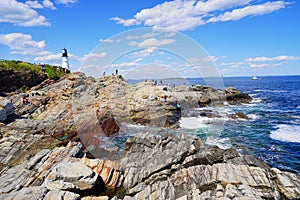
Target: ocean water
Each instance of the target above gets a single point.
(273, 131)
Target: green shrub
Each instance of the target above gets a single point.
(51, 72)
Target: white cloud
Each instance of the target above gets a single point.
(23, 44)
(145, 36)
(48, 58)
(273, 59)
(54, 58)
(138, 60)
(20, 14)
(153, 42)
(37, 5)
(66, 2)
(106, 40)
(258, 65)
(145, 52)
(92, 56)
(175, 15)
(252, 10)
(211, 58)
(180, 15)
(34, 4)
(214, 5)
(125, 64)
(128, 22)
(48, 4)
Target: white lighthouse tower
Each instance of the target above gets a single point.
(64, 59)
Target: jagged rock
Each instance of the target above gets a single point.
(31, 172)
(109, 171)
(108, 123)
(239, 115)
(77, 151)
(59, 171)
(58, 194)
(37, 158)
(3, 116)
(32, 193)
(71, 176)
(141, 103)
(288, 183)
(160, 166)
(6, 108)
(151, 160)
(96, 198)
(171, 167)
(234, 96)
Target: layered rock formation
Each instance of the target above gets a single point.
(153, 167)
(143, 103)
(49, 150)
(181, 167)
(62, 172)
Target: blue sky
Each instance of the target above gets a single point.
(242, 37)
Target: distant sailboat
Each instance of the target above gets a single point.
(254, 78)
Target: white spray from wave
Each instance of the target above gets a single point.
(286, 133)
(211, 127)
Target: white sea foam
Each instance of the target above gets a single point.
(211, 127)
(192, 122)
(223, 143)
(275, 91)
(256, 101)
(133, 125)
(200, 122)
(253, 116)
(286, 133)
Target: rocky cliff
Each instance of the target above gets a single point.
(12, 80)
(53, 148)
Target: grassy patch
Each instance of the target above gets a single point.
(19, 65)
(53, 72)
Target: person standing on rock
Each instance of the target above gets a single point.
(178, 106)
(25, 100)
(165, 98)
(117, 72)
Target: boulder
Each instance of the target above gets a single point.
(6, 108)
(58, 194)
(239, 115)
(110, 171)
(71, 176)
(107, 122)
(3, 115)
(234, 96)
(32, 193)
